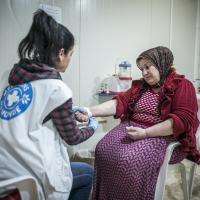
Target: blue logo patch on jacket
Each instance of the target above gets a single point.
(15, 100)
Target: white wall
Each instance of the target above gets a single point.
(197, 44)
(183, 35)
(107, 31)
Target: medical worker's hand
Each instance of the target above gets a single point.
(93, 123)
(82, 114)
(136, 133)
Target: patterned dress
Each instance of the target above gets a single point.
(127, 169)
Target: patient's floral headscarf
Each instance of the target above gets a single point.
(161, 57)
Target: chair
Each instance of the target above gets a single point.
(187, 186)
(160, 186)
(27, 186)
(194, 165)
(191, 179)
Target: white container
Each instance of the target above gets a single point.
(125, 71)
(118, 85)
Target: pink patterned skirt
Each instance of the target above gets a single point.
(127, 169)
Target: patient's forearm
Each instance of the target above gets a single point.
(105, 109)
(161, 129)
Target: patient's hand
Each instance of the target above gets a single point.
(81, 113)
(81, 116)
(136, 133)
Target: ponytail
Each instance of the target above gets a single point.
(44, 40)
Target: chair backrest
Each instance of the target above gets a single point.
(27, 186)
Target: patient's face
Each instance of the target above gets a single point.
(149, 72)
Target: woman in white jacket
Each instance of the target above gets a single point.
(36, 116)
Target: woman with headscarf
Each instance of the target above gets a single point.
(157, 110)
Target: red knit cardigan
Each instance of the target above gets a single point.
(179, 103)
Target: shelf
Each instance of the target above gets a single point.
(103, 97)
(106, 94)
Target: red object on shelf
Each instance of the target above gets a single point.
(125, 78)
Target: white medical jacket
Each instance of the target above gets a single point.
(29, 147)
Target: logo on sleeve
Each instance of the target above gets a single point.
(15, 100)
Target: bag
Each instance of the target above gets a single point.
(11, 195)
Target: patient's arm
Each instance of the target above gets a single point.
(161, 129)
(105, 109)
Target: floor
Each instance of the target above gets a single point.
(173, 190)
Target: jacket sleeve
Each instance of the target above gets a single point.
(124, 99)
(64, 120)
(122, 103)
(184, 107)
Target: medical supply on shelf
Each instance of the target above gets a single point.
(125, 71)
(118, 82)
